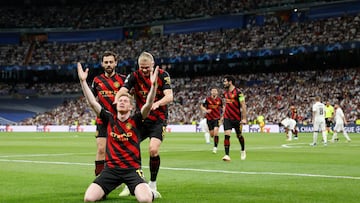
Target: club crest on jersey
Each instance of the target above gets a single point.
(143, 93)
(128, 126)
(116, 84)
(231, 98)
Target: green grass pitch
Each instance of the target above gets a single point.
(58, 167)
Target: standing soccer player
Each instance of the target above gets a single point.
(104, 87)
(261, 120)
(205, 129)
(212, 106)
(340, 122)
(234, 115)
(329, 115)
(318, 112)
(123, 162)
(155, 124)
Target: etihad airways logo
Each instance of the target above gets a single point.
(107, 93)
(121, 137)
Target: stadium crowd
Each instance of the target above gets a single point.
(81, 14)
(275, 33)
(271, 94)
(268, 94)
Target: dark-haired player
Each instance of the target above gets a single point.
(234, 115)
(104, 87)
(212, 106)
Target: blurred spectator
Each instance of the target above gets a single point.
(272, 94)
(275, 33)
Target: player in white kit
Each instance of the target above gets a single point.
(340, 121)
(289, 125)
(319, 125)
(204, 128)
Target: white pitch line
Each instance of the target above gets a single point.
(207, 150)
(41, 155)
(263, 173)
(295, 145)
(199, 170)
(303, 145)
(46, 162)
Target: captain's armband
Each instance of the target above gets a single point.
(241, 97)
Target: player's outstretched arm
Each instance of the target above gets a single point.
(167, 98)
(145, 110)
(86, 89)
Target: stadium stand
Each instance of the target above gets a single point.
(269, 94)
(272, 80)
(18, 108)
(81, 14)
(8, 116)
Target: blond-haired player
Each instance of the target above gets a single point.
(340, 122)
(155, 124)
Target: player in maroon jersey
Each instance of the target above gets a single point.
(234, 115)
(104, 87)
(155, 124)
(212, 106)
(123, 162)
(294, 115)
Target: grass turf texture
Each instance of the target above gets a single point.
(58, 167)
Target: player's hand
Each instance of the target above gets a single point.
(81, 73)
(221, 121)
(155, 106)
(243, 121)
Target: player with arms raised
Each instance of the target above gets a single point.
(123, 162)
